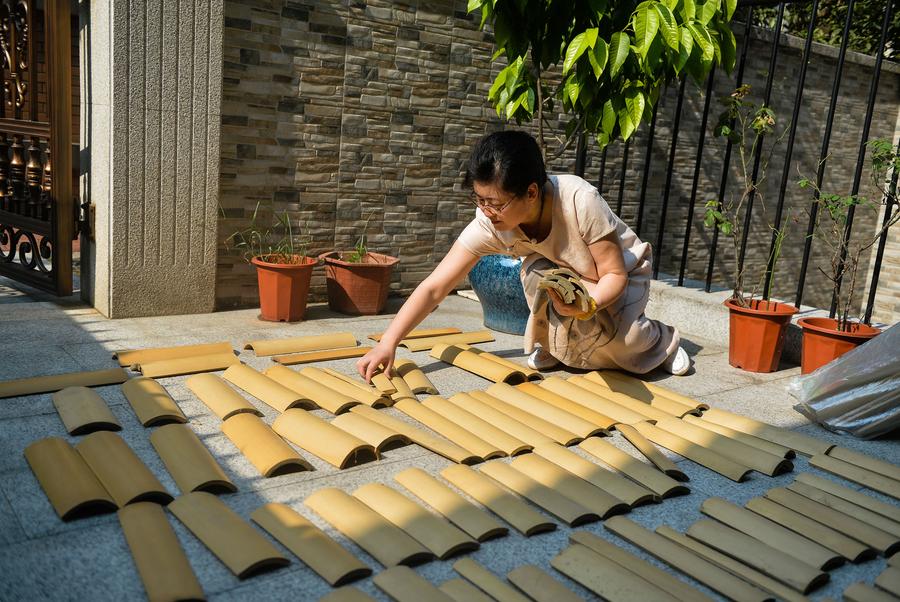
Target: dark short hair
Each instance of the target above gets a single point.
(509, 158)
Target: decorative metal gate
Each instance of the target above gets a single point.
(37, 204)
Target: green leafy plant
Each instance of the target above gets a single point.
(603, 63)
(831, 223)
(746, 126)
(361, 248)
(270, 237)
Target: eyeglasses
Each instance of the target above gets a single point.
(485, 206)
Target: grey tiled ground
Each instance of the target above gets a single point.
(43, 558)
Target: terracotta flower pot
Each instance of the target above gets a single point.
(359, 288)
(756, 334)
(283, 289)
(823, 342)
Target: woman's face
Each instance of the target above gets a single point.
(505, 210)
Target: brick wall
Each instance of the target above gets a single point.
(339, 110)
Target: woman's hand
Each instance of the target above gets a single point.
(562, 308)
(381, 357)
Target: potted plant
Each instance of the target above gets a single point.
(358, 281)
(283, 269)
(756, 325)
(825, 339)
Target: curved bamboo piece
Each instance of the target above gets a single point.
(647, 411)
(861, 476)
(151, 403)
(310, 544)
(402, 388)
(508, 425)
(215, 394)
(567, 405)
(230, 538)
(188, 365)
(120, 471)
(486, 581)
(266, 389)
(370, 397)
(865, 462)
(649, 451)
(435, 533)
(161, 562)
(482, 429)
(384, 541)
(851, 495)
(414, 377)
(262, 447)
(472, 362)
(321, 356)
(863, 592)
(761, 444)
(579, 395)
(841, 505)
(606, 578)
(421, 333)
(426, 343)
(70, 485)
(530, 373)
(463, 591)
(647, 392)
(131, 358)
(311, 389)
(381, 385)
(403, 584)
(539, 586)
(641, 472)
(49, 384)
(319, 342)
(83, 411)
(378, 436)
(309, 432)
(188, 461)
(561, 418)
(446, 428)
(694, 452)
(799, 442)
(558, 434)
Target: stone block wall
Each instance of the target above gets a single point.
(347, 113)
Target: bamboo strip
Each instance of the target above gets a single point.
(567, 510)
(501, 502)
(618, 486)
(476, 522)
(383, 383)
(638, 389)
(539, 585)
(889, 581)
(70, 485)
(487, 582)
(151, 403)
(310, 544)
(860, 592)
(556, 478)
(851, 495)
(841, 505)
(83, 411)
(384, 541)
(852, 527)
(641, 472)
(414, 377)
(530, 373)
(422, 333)
(188, 461)
(566, 404)
(446, 428)
(561, 418)
(750, 575)
(403, 584)
(435, 533)
(378, 436)
(761, 444)
(866, 462)
(237, 544)
(433, 443)
(50, 384)
(687, 562)
(262, 447)
(463, 591)
(506, 423)
(161, 562)
(427, 343)
(266, 389)
(120, 471)
(215, 394)
(402, 388)
(799, 442)
(321, 356)
(188, 365)
(370, 398)
(309, 432)
(639, 567)
(558, 434)
(646, 410)
(310, 389)
(694, 452)
(474, 363)
(849, 548)
(771, 534)
(131, 358)
(650, 452)
(482, 429)
(297, 344)
(862, 476)
(580, 395)
(606, 578)
(362, 386)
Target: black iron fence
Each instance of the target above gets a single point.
(672, 243)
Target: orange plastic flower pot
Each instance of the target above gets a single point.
(824, 343)
(358, 288)
(283, 288)
(756, 334)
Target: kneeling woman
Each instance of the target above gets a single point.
(549, 221)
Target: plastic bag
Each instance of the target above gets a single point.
(859, 393)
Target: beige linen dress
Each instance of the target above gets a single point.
(618, 336)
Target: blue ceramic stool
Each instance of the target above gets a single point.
(495, 280)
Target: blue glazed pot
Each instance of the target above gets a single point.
(495, 280)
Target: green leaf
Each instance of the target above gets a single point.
(598, 55)
(646, 25)
(684, 50)
(527, 99)
(618, 51)
(668, 26)
(608, 120)
(635, 103)
(603, 140)
(499, 82)
(707, 11)
(474, 5)
(730, 6)
(573, 90)
(512, 107)
(688, 10)
(586, 39)
(729, 47)
(626, 125)
(703, 39)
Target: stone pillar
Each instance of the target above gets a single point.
(150, 154)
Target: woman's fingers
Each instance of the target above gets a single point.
(561, 307)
